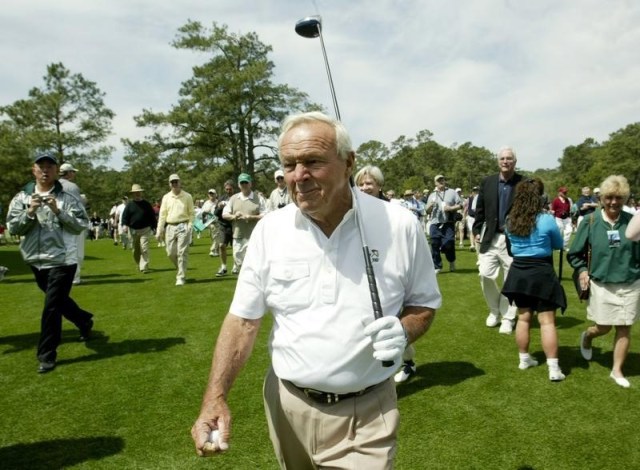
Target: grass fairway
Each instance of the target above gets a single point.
(128, 398)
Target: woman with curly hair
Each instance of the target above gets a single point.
(532, 284)
(613, 276)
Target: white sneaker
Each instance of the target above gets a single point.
(408, 370)
(180, 282)
(492, 320)
(587, 353)
(438, 271)
(624, 383)
(506, 326)
(527, 363)
(235, 270)
(556, 375)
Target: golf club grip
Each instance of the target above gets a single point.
(373, 290)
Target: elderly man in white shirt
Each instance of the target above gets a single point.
(305, 265)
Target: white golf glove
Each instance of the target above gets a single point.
(388, 337)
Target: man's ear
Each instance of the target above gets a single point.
(350, 162)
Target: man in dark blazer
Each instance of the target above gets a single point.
(494, 201)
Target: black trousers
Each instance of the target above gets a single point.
(56, 284)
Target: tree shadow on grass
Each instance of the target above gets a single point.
(59, 453)
(19, 343)
(438, 373)
(566, 322)
(99, 344)
(102, 348)
(570, 358)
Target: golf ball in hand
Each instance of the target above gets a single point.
(214, 437)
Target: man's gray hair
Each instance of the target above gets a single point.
(507, 148)
(343, 141)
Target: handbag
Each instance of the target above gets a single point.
(583, 294)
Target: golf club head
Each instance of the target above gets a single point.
(309, 27)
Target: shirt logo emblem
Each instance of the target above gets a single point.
(375, 256)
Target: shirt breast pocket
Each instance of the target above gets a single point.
(290, 285)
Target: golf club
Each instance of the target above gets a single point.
(311, 27)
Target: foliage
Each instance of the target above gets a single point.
(67, 116)
(229, 110)
(412, 163)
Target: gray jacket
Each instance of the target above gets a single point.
(47, 240)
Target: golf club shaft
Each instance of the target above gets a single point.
(308, 28)
(371, 277)
(329, 77)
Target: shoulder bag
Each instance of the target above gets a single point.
(584, 294)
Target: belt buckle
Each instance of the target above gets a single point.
(321, 397)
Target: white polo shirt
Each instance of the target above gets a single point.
(316, 288)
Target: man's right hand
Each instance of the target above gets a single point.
(218, 418)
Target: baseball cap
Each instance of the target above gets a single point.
(458, 190)
(407, 192)
(596, 191)
(174, 177)
(278, 174)
(65, 167)
(244, 177)
(45, 156)
(438, 177)
(212, 191)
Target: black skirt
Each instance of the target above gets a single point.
(536, 278)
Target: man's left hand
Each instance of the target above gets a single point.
(388, 337)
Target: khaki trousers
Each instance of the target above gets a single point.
(489, 265)
(140, 242)
(177, 239)
(355, 433)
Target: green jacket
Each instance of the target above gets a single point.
(609, 264)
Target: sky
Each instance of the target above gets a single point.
(538, 75)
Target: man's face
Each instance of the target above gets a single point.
(440, 184)
(245, 187)
(175, 186)
(318, 180)
(137, 196)
(212, 196)
(280, 182)
(507, 162)
(368, 185)
(45, 172)
(71, 175)
(228, 189)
